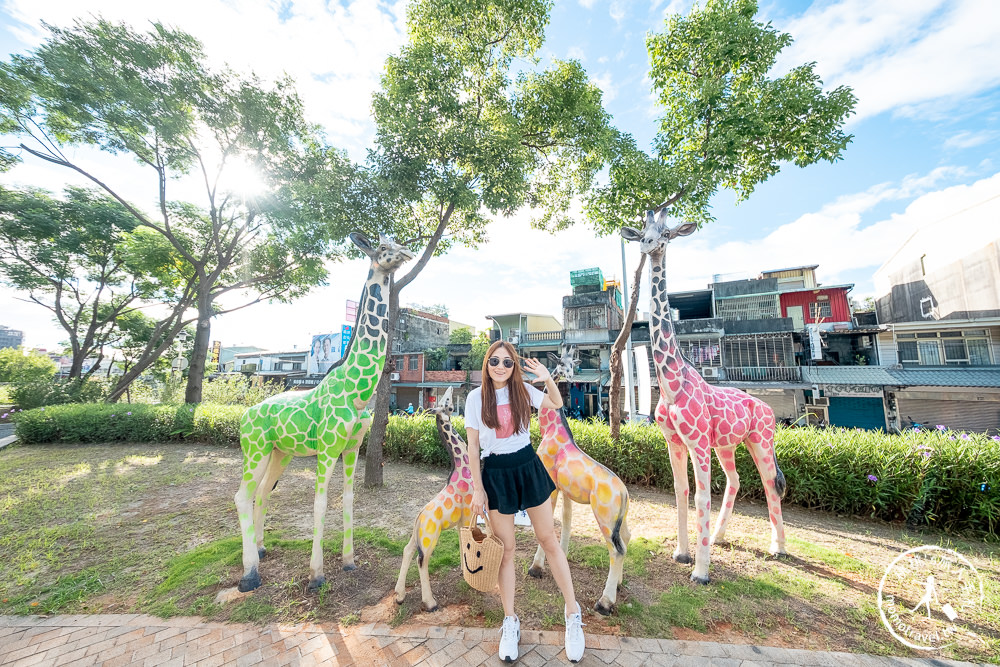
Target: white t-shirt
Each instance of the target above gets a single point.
(503, 440)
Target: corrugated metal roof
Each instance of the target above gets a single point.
(984, 376)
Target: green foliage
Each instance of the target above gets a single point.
(21, 368)
(434, 359)
(38, 393)
(724, 123)
(480, 345)
(238, 390)
(100, 422)
(461, 336)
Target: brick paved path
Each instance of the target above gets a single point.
(112, 640)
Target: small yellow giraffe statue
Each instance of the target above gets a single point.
(450, 507)
(582, 480)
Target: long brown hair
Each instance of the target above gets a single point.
(520, 403)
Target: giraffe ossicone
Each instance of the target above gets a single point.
(696, 417)
(328, 422)
(448, 509)
(582, 480)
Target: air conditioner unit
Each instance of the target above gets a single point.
(512, 340)
(394, 377)
(821, 401)
(709, 372)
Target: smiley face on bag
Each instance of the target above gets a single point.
(472, 553)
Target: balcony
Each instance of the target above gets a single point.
(588, 336)
(541, 338)
(763, 374)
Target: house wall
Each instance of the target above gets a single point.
(401, 365)
(840, 310)
(422, 331)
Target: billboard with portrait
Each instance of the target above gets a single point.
(325, 351)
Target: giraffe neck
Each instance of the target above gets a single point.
(456, 446)
(667, 357)
(358, 372)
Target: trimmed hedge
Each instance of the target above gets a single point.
(940, 478)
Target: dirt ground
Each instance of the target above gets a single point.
(822, 595)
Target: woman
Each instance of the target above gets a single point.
(513, 478)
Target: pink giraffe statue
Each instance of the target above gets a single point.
(450, 506)
(696, 417)
(582, 480)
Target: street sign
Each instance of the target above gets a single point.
(345, 337)
(179, 364)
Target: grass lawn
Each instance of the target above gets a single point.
(153, 529)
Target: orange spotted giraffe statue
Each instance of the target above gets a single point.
(449, 507)
(582, 480)
(697, 417)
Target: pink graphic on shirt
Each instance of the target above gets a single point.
(506, 423)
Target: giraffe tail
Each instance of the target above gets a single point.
(779, 480)
(616, 533)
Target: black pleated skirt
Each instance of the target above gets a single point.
(516, 481)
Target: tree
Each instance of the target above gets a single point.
(20, 368)
(151, 96)
(461, 336)
(435, 358)
(480, 346)
(725, 124)
(456, 137)
(76, 258)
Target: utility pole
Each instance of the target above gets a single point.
(629, 361)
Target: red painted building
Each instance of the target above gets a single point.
(819, 305)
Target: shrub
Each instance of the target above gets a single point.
(21, 368)
(237, 390)
(37, 393)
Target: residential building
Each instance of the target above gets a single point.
(10, 337)
(286, 366)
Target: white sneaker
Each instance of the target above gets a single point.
(510, 635)
(574, 637)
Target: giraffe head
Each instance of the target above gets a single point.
(566, 362)
(387, 256)
(656, 234)
(445, 406)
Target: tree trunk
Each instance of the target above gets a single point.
(615, 391)
(145, 360)
(199, 354)
(380, 421)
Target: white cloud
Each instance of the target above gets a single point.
(605, 82)
(617, 11)
(589, 4)
(899, 55)
(575, 53)
(334, 51)
(966, 139)
(835, 237)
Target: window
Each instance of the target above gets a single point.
(592, 318)
(296, 366)
(414, 363)
(701, 351)
(818, 309)
(945, 348)
(750, 307)
(758, 351)
(926, 305)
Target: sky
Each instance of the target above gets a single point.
(925, 148)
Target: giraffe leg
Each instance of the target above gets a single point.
(428, 540)
(607, 522)
(760, 442)
(537, 569)
(701, 461)
(350, 459)
(254, 470)
(678, 465)
(725, 456)
(275, 466)
(324, 466)
(626, 536)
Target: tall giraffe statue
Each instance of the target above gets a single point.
(582, 480)
(451, 506)
(326, 422)
(696, 417)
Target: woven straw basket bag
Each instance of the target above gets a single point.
(481, 555)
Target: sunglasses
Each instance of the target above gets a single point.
(507, 362)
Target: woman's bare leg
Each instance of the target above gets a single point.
(503, 527)
(541, 522)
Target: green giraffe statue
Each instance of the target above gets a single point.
(324, 422)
